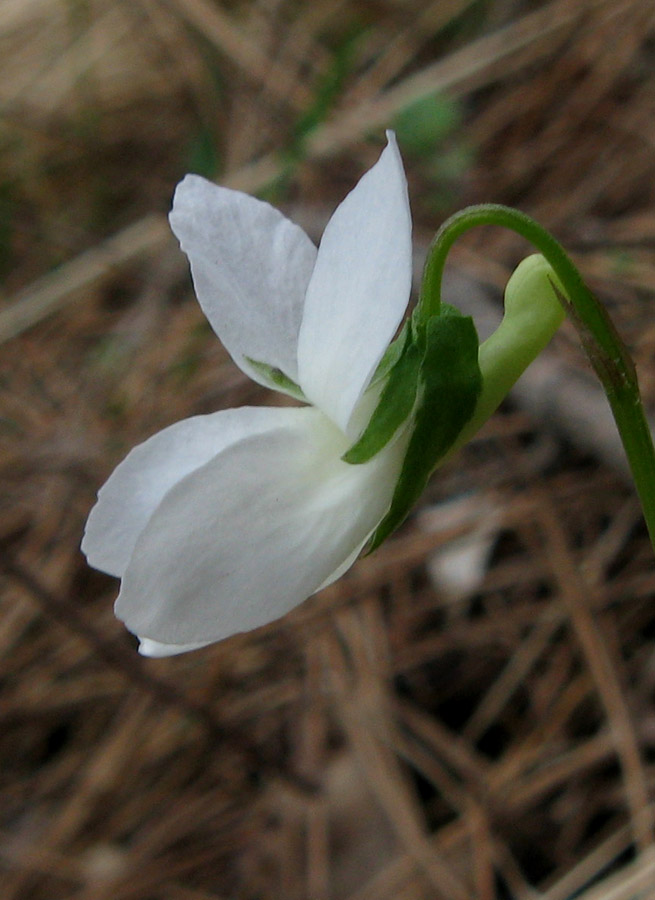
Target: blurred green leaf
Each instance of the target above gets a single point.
(203, 155)
(426, 123)
(6, 229)
(328, 88)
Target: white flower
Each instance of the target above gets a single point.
(221, 523)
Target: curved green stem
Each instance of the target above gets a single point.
(605, 349)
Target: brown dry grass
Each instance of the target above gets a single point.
(402, 735)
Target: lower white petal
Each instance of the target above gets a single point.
(155, 650)
(149, 471)
(343, 567)
(252, 533)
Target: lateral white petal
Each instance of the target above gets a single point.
(149, 471)
(250, 267)
(359, 289)
(251, 534)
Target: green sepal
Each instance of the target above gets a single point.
(392, 354)
(277, 379)
(449, 386)
(394, 406)
(401, 365)
(447, 309)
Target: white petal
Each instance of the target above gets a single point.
(250, 268)
(156, 650)
(345, 565)
(244, 539)
(149, 471)
(359, 289)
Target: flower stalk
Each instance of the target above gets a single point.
(604, 347)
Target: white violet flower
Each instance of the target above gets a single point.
(221, 523)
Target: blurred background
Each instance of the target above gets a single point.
(470, 713)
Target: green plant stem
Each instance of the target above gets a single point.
(605, 349)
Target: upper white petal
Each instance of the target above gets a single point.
(359, 289)
(250, 268)
(149, 471)
(252, 533)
